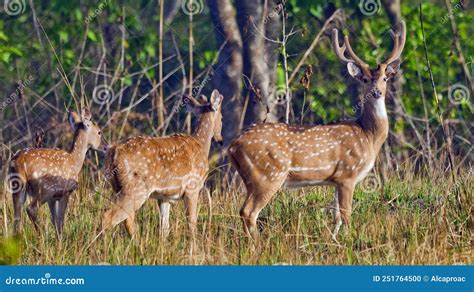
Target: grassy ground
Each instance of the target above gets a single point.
(413, 221)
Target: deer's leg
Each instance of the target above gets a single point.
(133, 205)
(336, 213)
(32, 211)
(61, 211)
(164, 218)
(53, 206)
(250, 211)
(345, 193)
(19, 198)
(257, 198)
(130, 224)
(190, 203)
(244, 211)
(58, 210)
(124, 209)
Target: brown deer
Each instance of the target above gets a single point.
(165, 168)
(271, 156)
(51, 175)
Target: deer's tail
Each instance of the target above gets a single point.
(16, 181)
(111, 169)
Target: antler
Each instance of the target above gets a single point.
(398, 43)
(341, 49)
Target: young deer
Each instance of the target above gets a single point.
(165, 168)
(269, 156)
(51, 175)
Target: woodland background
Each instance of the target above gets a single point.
(108, 53)
(131, 62)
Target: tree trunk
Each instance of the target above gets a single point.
(171, 9)
(251, 19)
(228, 70)
(273, 28)
(395, 90)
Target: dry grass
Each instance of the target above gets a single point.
(415, 221)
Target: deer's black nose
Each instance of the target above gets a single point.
(377, 93)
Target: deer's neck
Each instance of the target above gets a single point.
(374, 121)
(204, 131)
(79, 148)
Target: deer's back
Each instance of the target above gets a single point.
(155, 163)
(302, 153)
(35, 163)
(47, 172)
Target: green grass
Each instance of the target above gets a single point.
(414, 221)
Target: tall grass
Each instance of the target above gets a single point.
(415, 220)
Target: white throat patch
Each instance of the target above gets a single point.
(379, 107)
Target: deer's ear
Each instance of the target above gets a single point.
(392, 68)
(354, 70)
(191, 104)
(74, 119)
(216, 99)
(202, 99)
(86, 116)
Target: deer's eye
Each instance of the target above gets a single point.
(100, 133)
(365, 80)
(385, 79)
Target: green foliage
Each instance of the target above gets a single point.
(76, 31)
(330, 79)
(9, 251)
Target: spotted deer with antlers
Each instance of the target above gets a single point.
(51, 175)
(271, 156)
(164, 168)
